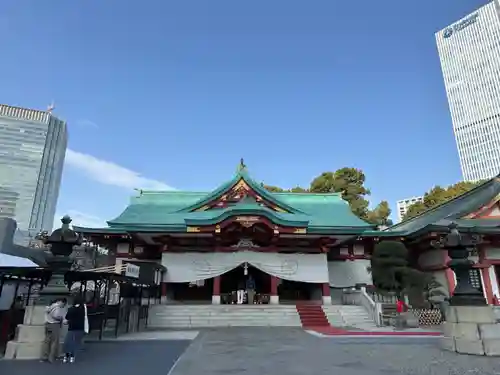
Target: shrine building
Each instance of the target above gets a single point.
(295, 246)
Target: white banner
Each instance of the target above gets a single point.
(190, 267)
(346, 274)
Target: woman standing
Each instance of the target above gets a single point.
(78, 325)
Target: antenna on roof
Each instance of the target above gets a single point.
(139, 191)
(51, 107)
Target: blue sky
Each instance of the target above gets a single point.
(164, 94)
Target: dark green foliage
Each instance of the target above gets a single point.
(350, 182)
(391, 271)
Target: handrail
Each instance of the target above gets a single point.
(362, 298)
(373, 308)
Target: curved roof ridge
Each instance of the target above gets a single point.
(306, 193)
(154, 192)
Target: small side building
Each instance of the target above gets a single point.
(476, 212)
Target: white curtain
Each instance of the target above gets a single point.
(189, 267)
(346, 274)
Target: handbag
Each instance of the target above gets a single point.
(86, 327)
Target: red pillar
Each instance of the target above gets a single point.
(485, 275)
(450, 279)
(163, 297)
(216, 291)
(274, 290)
(327, 297)
(325, 287)
(450, 275)
(488, 290)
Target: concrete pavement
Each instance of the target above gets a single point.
(262, 351)
(270, 351)
(108, 357)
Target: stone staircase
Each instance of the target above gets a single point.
(349, 316)
(199, 316)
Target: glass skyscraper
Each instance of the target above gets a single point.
(32, 149)
(469, 51)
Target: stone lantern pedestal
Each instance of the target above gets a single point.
(30, 336)
(471, 326)
(471, 330)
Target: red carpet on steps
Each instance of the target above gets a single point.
(332, 331)
(312, 316)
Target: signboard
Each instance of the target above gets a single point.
(132, 271)
(448, 32)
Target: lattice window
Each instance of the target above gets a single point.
(427, 317)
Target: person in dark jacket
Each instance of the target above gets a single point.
(77, 321)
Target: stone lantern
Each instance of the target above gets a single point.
(30, 336)
(459, 248)
(61, 243)
(471, 326)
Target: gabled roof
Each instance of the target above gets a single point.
(241, 175)
(454, 210)
(176, 210)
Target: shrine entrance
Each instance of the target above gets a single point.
(294, 291)
(237, 278)
(195, 292)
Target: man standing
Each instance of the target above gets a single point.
(250, 290)
(54, 317)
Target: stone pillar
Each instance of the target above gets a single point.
(471, 330)
(216, 292)
(327, 297)
(274, 298)
(163, 292)
(30, 336)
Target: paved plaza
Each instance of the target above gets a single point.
(262, 351)
(270, 351)
(123, 357)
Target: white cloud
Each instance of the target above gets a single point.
(109, 173)
(87, 124)
(81, 219)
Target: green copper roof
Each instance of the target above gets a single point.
(175, 210)
(454, 210)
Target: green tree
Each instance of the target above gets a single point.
(347, 181)
(273, 189)
(276, 189)
(298, 189)
(350, 182)
(439, 195)
(391, 270)
(380, 215)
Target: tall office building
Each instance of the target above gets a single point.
(469, 51)
(32, 149)
(404, 204)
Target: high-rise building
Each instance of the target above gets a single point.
(8, 202)
(32, 149)
(404, 204)
(469, 51)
